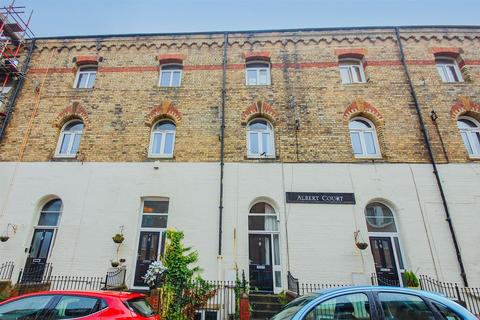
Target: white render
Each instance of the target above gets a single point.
(98, 198)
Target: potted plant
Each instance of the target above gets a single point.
(360, 244)
(118, 238)
(4, 238)
(410, 279)
(114, 263)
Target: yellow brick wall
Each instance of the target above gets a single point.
(305, 86)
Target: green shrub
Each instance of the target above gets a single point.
(411, 279)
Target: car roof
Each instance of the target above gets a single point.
(327, 293)
(99, 294)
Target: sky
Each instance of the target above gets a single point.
(94, 17)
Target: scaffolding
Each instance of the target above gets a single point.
(15, 36)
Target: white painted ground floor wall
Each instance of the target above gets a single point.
(316, 240)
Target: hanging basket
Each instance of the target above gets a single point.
(361, 245)
(115, 263)
(118, 238)
(4, 238)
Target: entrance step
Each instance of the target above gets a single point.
(264, 306)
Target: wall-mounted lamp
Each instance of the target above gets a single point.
(5, 237)
(433, 115)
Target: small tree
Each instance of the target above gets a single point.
(188, 290)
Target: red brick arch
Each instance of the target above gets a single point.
(165, 110)
(361, 107)
(75, 111)
(464, 105)
(259, 109)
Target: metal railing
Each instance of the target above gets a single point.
(221, 301)
(6, 271)
(312, 287)
(379, 281)
(466, 296)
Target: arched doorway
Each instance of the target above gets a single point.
(264, 249)
(385, 244)
(42, 241)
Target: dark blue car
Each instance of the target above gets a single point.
(375, 303)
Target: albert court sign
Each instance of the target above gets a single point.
(320, 197)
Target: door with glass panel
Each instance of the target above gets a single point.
(151, 241)
(42, 241)
(264, 249)
(384, 244)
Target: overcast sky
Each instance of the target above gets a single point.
(85, 17)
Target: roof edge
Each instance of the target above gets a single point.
(127, 35)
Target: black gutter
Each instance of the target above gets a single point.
(222, 142)
(13, 99)
(432, 158)
(103, 36)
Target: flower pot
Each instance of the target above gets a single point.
(4, 238)
(115, 264)
(118, 238)
(361, 245)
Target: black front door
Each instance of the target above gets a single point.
(384, 258)
(37, 256)
(147, 253)
(260, 253)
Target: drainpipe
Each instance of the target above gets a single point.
(432, 158)
(11, 103)
(222, 142)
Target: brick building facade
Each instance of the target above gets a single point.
(309, 110)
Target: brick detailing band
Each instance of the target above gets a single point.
(165, 110)
(259, 109)
(83, 60)
(75, 111)
(359, 106)
(241, 66)
(463, 106)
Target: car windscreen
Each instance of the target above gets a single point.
(140, 306)
(291, 308)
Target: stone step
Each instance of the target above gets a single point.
(257, 314)
(266, 306)
(258, 297)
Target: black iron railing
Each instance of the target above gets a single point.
(6, 270)
(292, 283)
(381, 281)
(35, 273)
(115, 279)
(466, 296)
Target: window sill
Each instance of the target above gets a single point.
(258, 85)
(368, 157)
(155, 157)
(474, 158)
(269, 158)
(169, 87)
(83, 89)
(353, 84)
(62, 156)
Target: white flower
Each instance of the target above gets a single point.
(155, 269)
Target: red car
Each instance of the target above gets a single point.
(87, 305)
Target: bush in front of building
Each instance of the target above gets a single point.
(183, 289)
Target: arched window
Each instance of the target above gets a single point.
(69, 140)
(262, 217)
(351, 70)
(448, 69)
(364, 138)
(171, 75)
(257, 73)
(162, 139)
(379, 218)
(260, 139)
(50, 213)
(470, 131)
(86, 77)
